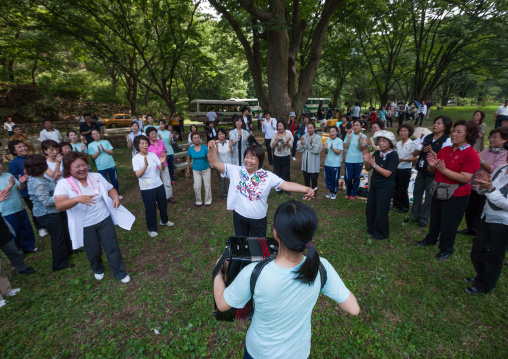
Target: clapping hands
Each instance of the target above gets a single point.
(484, 181)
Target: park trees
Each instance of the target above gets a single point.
(292, 35)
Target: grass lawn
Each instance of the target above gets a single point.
(412, 305)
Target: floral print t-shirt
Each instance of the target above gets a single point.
(248, 193)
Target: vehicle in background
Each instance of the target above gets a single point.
(118, 119)
(224, 109)
(253, 103)
(313, 104)
(310, 107)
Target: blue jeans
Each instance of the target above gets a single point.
(353, 172)
(113, 178)
(25, 238)
(246, 354)
(171, 166)
(332, 175)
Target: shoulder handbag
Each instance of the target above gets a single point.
(443, 191)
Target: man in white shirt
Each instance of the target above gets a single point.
(269, 127)
(501, 114)
(356, 112)
(50, 133)
(8, 125)
(422, 110)
(212, 116)
(139, 121)
(394, 104)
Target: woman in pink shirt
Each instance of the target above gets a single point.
(490, 159)
(157, 146)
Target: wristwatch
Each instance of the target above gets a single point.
(374, 166)
(491, 190)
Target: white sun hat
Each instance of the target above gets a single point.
(386, 134)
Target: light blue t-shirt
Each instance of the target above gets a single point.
(199, 161)
(166, 139)
(77, 147)
(354, 155)
(382, 114)
(104, 161)
(13, 204)
(332, 159)
(281, 325)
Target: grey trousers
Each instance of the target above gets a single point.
(224, 184)
(421, 210)
(5, 285)
(15, 257)
(104, 233)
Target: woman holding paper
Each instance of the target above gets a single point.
(93, 208)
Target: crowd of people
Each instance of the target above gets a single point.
(456, 176)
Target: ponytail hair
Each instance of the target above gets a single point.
(296, 224)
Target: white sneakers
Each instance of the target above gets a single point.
(127, 279)
(2, 303)
(294, 158)
(168, 224)
(13, 292)
(331, 195)
(43, 232)
(153, 234)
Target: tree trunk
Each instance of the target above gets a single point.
(34, 68)
(10, 70)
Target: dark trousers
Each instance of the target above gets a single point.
(474, 211)
(251, 141)
(378, 206)
(400, 196)
(269, 150)
(61, 245)
(171, 166)
(352, 177)
(420, 119)
(389, 120)
(489, 249)
(293, 149)
(445, 217)
(30, 205)
(14, 255)
(421, 210)
(25, 238)
(282, 166)
(246, 354)
(178, 130)
(152, 198)
(332, 175)
(500, 119)
(309, 178)
(248, 227)
(104, 233)
(113, 178)
(401, 119)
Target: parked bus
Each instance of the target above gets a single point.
(224, 109)
(310, 107)
(253, 103)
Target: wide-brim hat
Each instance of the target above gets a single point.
(292, 114)
(386, 134)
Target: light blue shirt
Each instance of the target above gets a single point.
(104, 161)
(354, 155)
(167, 140)
(332, 159)
(281, 325)
(12, 204)
(77, 147)
(148, 126)
(199, 160)
(382, 114)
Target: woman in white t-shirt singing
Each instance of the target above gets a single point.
(286, 290)
(145, 166)
(93, 208)
(405, 149)
(225, 152)
(249, 188)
